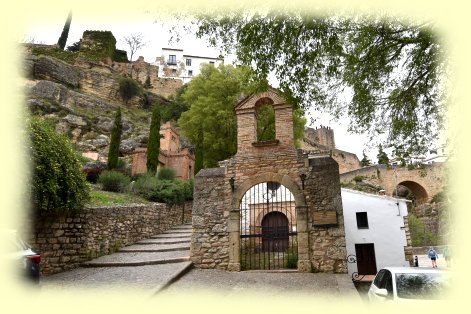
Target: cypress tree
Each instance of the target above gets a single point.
(65, 32)
(113, 152)
(153, 148)
(383, 158)
(365, 161)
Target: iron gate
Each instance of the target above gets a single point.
(268, 236)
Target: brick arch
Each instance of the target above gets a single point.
(420, 193)
(283, 179)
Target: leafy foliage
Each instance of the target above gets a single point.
(100, 45)
(365, 161)
(166, 173)
(113, 153)
(176, 107)
(386, 75)
(383, 158)
(113, 181)
(167, 191)
(128, 88)
(153, 146)
(65, 32)
(120, 56)
(265, 123)
(210, 123)
(57, 182)
(420, 236)
(75, 47)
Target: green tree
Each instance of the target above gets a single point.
(394, 71)
(113, 153)
(153, 147)
(128, 88)
(57, 182)
(176, 107)
(210, 123)
(265, 123)
(365, 161)
(65, 32)
(383, 158)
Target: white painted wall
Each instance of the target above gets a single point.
(384, 227)
(185, 75)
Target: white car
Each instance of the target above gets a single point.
(409, 283)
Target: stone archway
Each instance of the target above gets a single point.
(418, 191)
(234, 223)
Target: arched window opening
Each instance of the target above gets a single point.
(265, 114)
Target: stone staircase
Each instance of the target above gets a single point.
(172, 246)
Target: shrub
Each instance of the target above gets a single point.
(166, 173)
(358, 179)
(166, 191)
(57, 183)
(113, 181)
(128, 88)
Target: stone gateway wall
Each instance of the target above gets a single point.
(320, 230)
(67, 240)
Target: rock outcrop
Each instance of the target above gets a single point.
(81, 100)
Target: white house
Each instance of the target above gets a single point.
(374, 231)
(174, 63)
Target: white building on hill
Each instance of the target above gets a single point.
(174, 63)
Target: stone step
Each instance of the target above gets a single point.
(163, 241)
(183, 227)
(174, 231)
(156, 247)
(169, 236)
(139, 259)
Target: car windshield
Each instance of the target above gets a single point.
(427, 286)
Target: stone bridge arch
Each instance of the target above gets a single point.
(426, 182)
(420, 194)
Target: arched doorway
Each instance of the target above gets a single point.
(268, 233)
(275, 232)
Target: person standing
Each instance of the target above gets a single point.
(433, 255)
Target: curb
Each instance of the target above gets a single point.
(174, 278)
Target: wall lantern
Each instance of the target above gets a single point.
(232, 183)
(303, 178)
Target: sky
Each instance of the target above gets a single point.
(156, 34)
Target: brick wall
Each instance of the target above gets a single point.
(66, 240)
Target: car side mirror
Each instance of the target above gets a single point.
(381, 293)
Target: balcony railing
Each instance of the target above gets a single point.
(171, 62)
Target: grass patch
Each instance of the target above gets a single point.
(103, 198)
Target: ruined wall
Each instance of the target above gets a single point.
(67, 240)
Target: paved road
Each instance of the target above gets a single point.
(273, 284)
(158, 267)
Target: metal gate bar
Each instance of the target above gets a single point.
(268, 233)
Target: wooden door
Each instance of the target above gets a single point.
(275, 231)
(366, 261)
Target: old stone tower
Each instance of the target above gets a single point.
(270, 206)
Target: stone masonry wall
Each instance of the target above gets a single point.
(327, 243)
(210, 238)
(66, 240)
